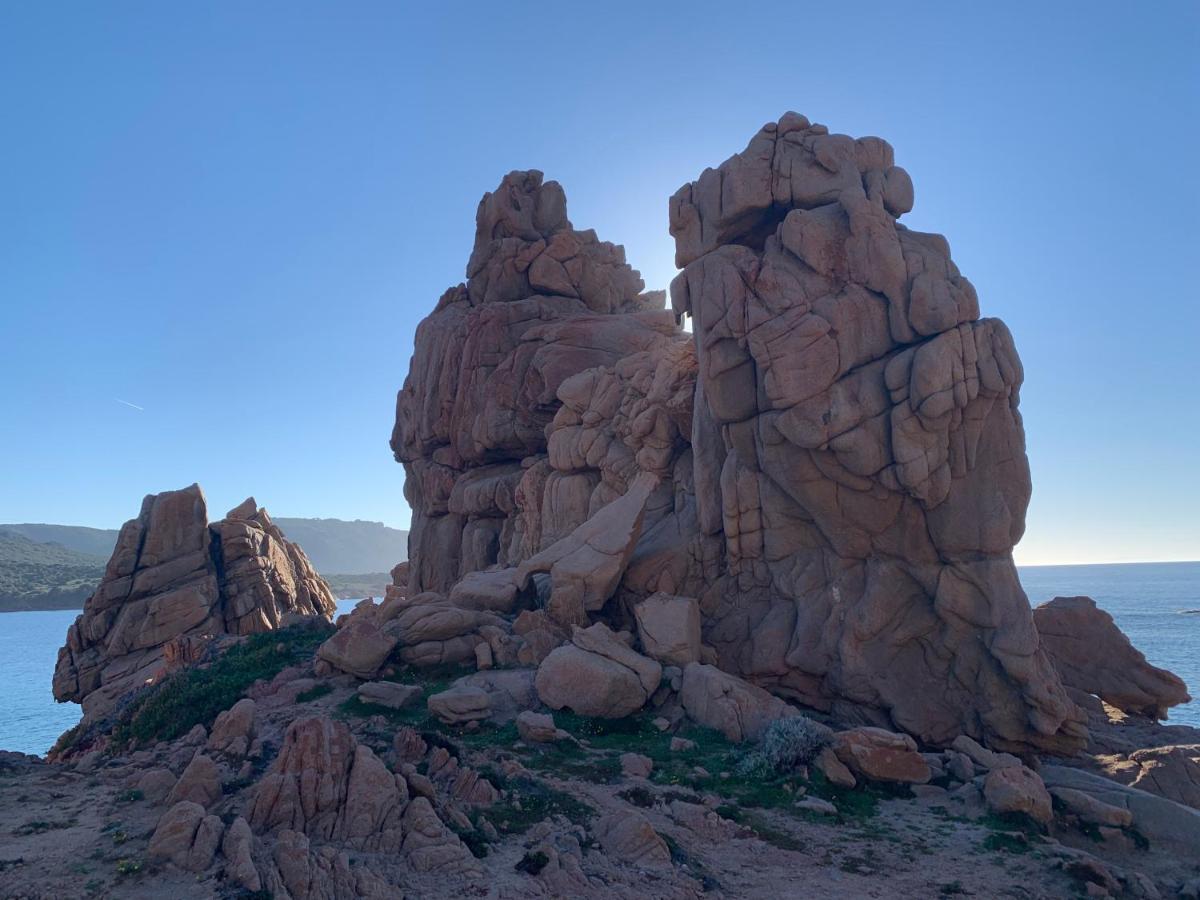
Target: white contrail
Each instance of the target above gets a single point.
(127, 403)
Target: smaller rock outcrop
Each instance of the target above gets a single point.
(597, 674)
(326, 785)
(880, 755)
(175, 583)
(187, 837)
(669, 628)
(739, 710)
(1018, 789)
(1093, 655)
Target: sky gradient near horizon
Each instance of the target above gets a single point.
(222, 221)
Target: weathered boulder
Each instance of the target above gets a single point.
(360, 647)
(586, 566)
(173, 584)
(186, 836)
(880, 755)
(597, 675)
(739, 710)
(156, 784)
(1090, 809)
(1163, 822)
(1018, 789)
(461, 704)
(200, 783)
(636, 765)
(233, 731)
(325, 785)
(629, 837)
(538, 728)
(1093, 655)
(388, 693)
(237, 846)
(432, 847)
(1171, 771)
(981, 756)
(669, 628)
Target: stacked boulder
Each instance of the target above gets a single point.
(175, 583)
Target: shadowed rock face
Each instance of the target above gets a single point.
(833, 463)
(173, 583)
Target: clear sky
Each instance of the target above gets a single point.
(233, 215)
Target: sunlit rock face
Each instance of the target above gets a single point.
(857, 443)
(832, 462)
(173, 584)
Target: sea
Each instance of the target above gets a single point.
(1156, 604)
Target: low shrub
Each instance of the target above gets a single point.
(195, 696)
(786, 744)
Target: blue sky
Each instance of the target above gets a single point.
(233, 215)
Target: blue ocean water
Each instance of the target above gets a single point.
(1156, 604)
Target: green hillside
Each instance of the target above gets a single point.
(90, 541)
(44, 576)
(337, 546)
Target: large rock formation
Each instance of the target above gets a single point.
(857, 442)
(833, 462)
(174, 583)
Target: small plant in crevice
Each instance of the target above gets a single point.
(128, 866)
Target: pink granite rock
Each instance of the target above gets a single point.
(1092, 655)
(173, 584)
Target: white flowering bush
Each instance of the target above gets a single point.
(787, 743)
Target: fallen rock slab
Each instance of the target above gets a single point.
(460, 705)
(388, 693)
(880, 755)
(1093, 655)
(1018, 789)
(738, 709)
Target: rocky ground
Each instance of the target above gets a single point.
(316, 786)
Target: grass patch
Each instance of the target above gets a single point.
(527, 801)
(776, 837)
(195, 696)
(40, 827)
(315, 692)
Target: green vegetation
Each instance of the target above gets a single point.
(786, 744)
(195, 696)
(40, 827)
(532, 863)
(128, 866)
(318, 690)
(44, 576)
